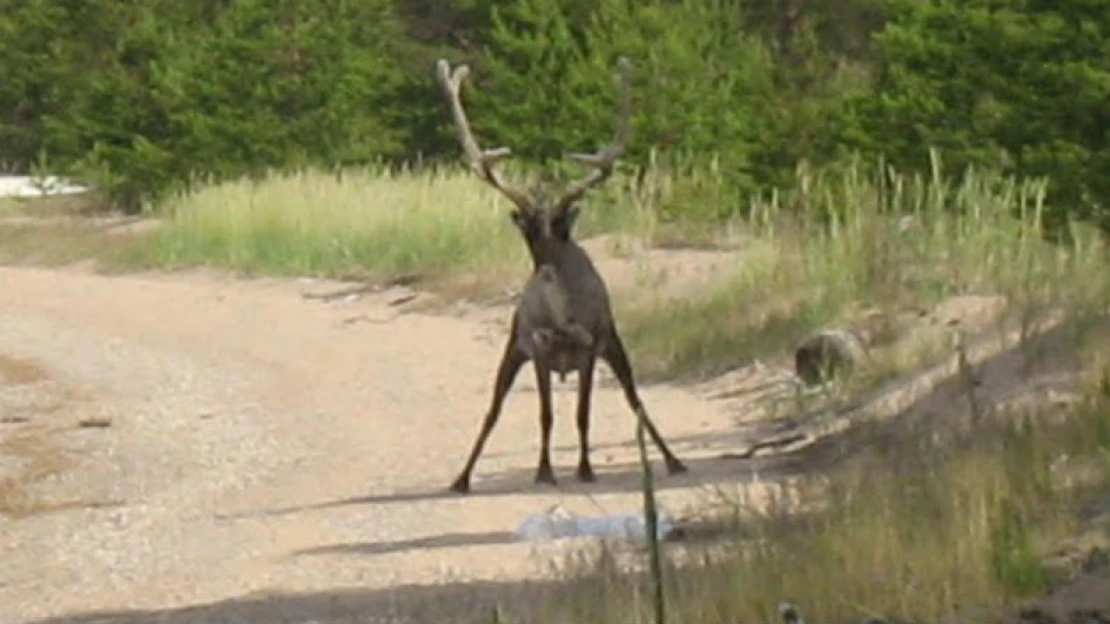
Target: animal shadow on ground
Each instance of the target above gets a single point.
(618, 477)
(447, 540)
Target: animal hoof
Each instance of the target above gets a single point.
(461, 485)
(545, 475)
(674, 467)
(586, 474)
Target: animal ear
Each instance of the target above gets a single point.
(571, 215)
(563, 224)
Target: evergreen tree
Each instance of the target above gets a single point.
(975, 77)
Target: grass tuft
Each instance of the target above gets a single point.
(436, 221)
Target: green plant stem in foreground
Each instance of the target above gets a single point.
(651, 525)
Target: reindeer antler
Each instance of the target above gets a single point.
(601, 162)
(480, 161)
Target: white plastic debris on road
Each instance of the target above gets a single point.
(557, 523)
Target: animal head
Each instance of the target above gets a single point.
(545, 220)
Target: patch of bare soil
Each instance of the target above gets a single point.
(18, 372)
(34, 412)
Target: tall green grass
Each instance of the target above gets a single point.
(433, 221)
(861, 237)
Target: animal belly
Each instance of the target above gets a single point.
(565, 354)
(559, 351)
(563, 361)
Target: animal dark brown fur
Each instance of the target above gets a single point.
(564, 321)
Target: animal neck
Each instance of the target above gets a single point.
(546, 251)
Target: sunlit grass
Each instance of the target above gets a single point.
(849, 241)
(370, 222)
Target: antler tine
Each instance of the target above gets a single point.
(481, 161)
(601, 163)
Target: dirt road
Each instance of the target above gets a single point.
(186, 439)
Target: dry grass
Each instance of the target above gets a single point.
(66, 241)
(434, 222)
(57, 231)
(850, 243)
(913, 531)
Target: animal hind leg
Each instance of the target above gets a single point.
(585, 389)
(617, 359)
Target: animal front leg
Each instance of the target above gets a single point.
(507, 370)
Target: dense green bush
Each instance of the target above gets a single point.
(1020, 83)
